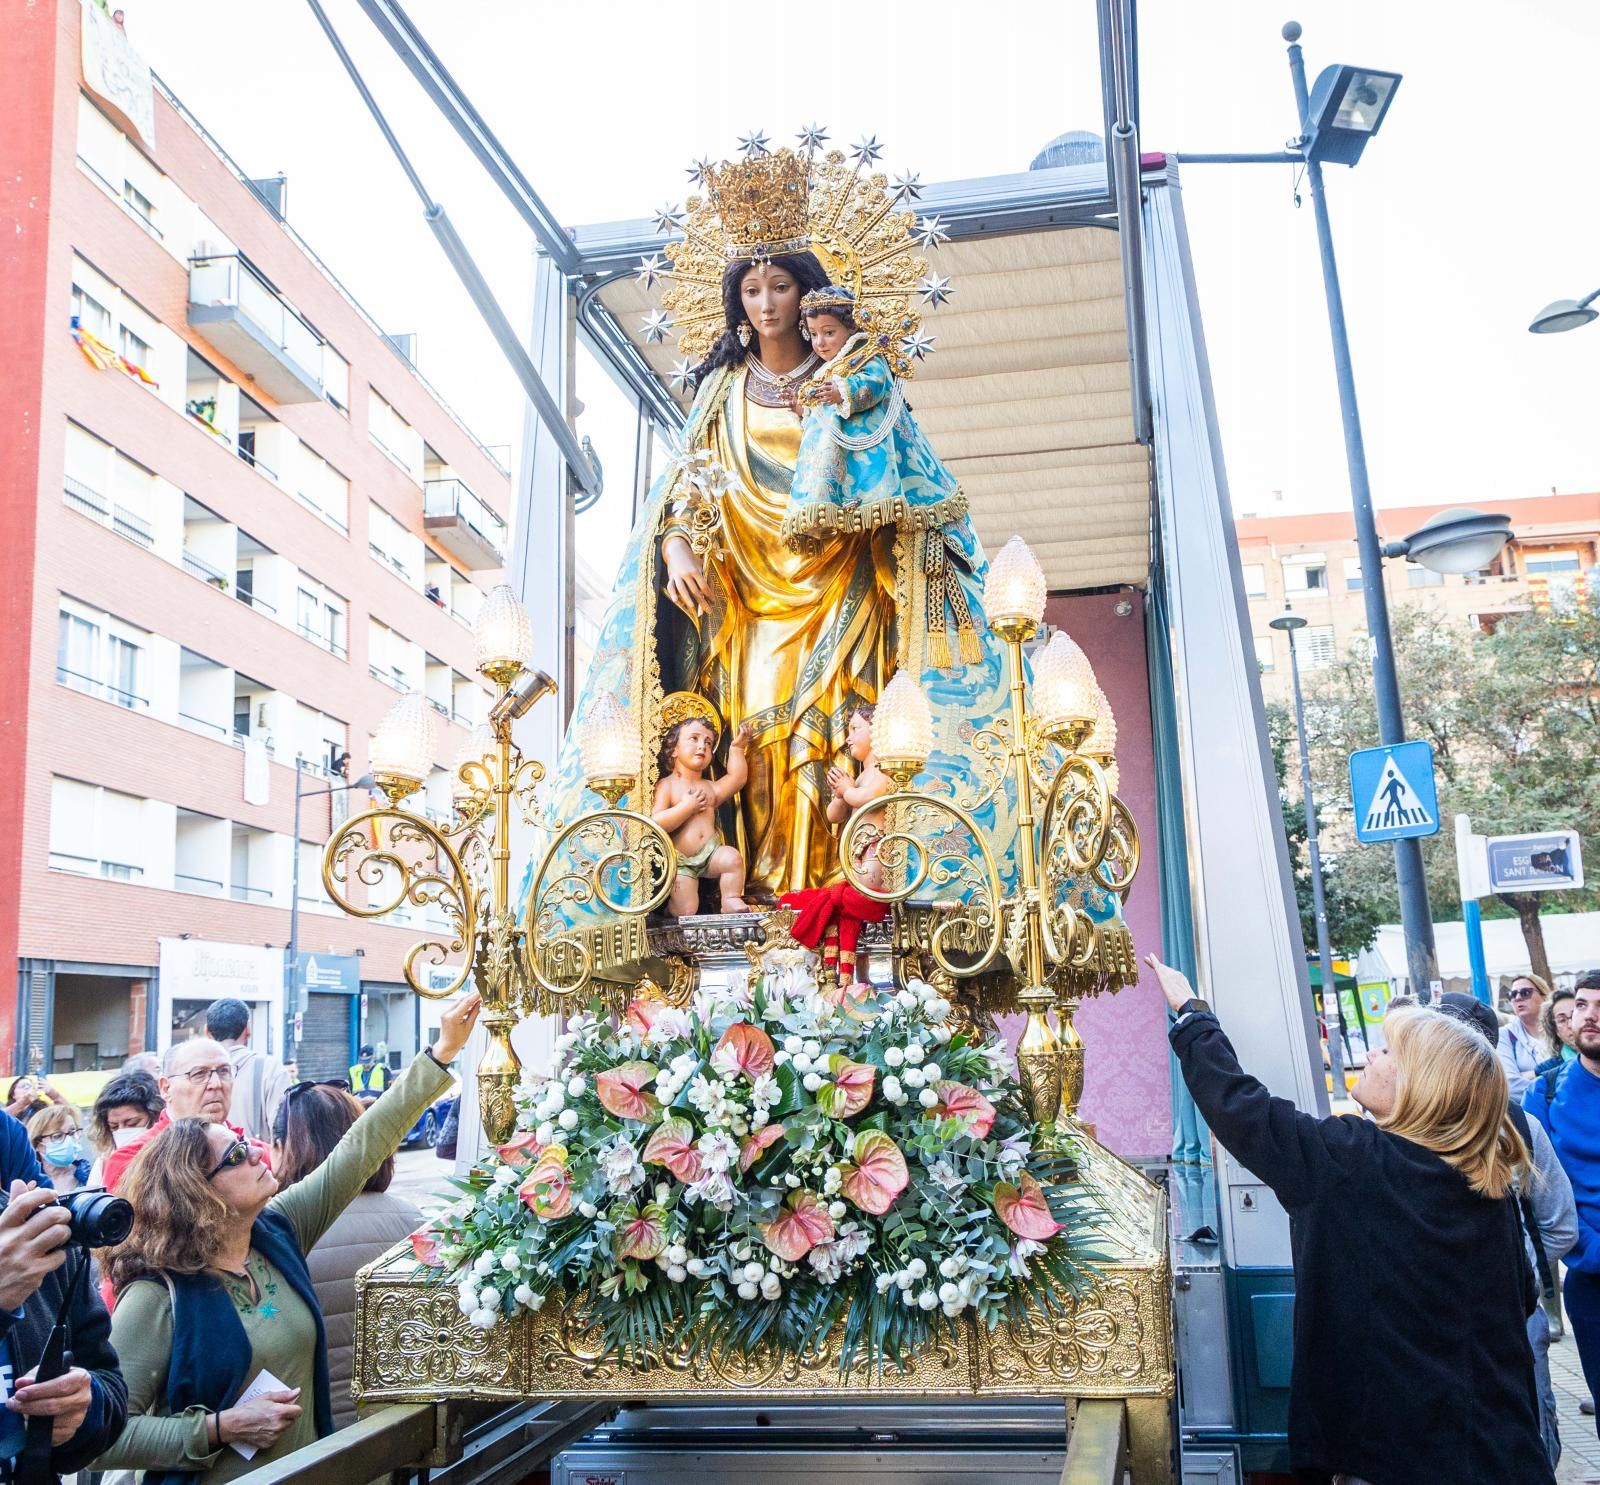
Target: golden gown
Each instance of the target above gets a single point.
(795, 636)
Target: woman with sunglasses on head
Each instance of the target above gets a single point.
(311, 1120)
(213, 1287)
(1522, 1046)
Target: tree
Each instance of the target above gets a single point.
(1514, 719)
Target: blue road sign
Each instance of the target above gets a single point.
(1535, 863)
(1392, 792)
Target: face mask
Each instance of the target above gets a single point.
(63, 1149)
(126, 1135)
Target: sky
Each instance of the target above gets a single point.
(1472, 209)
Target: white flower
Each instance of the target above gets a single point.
(905, 1278)
(793, 1044)
(928, 1099)
(484, 1319)
(920, 988)
(511, 1260)
(766, 1091)
(488, 1299)
(938, 1008)
(1021, 1252)
(752, 1272)
(760, 1119)
(914, 1054)
(912, 1077)
(564, 1042)
(534, 1302)
(906, 1000)
(555, 1095)
(893, 1056)
(505, 1176)
(677, 1253)
(748, 1291)
(836, 1209)
(467, 1303)
(696, 1266)
(771, 1286)
(813, 1081)
(715, 1189)
(917, 1268)
(832, 1180)
(946, 1177)
(950, 1267)
(568, 1119)
(717, 1151)
(670, 1025)
(885, 1282)
(588, 1210)
(684, 1064)
(545, 1133)
(927, 1300)
(908, 1297)
(621, 1166)
(813, 1050)
(932, 1072)
(802, 1063)
(948, 1293)
(576, 1085)
(791, 1180)
(482, 1264)
(523, 1295)
(706, 1093)
(663, 1193)
(780, 1057)
(892, 1089)
(677, 1272)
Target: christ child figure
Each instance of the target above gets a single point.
(685, 806)
(849, 794)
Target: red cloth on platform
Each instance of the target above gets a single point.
(839, 906)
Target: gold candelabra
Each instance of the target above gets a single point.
(521, 962)
(936, 861)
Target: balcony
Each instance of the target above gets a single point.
(463, 525)
(97, 507)
(241, 314)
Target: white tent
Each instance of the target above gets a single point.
(1572, 941)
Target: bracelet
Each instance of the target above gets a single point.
(218, 1417)
(428, 1053)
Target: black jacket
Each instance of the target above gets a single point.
(1411, 1355)
(90, 1337)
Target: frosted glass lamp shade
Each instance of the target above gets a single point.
(1014, 589)
(1102, 739)
(902, 726)
(503, 635)
(404, 744)
(1064, 688)
(610, 747)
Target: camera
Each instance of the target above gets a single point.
(98, 1219)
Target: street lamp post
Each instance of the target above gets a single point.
(292, 1005)
(1417, 921)
(1289, 621)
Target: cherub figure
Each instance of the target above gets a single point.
(849, 794)
(686, 805)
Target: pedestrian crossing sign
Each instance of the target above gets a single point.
(1392, 792)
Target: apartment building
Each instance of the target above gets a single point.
(1311, 562)
(253, 527)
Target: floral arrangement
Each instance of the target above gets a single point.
(756, 1167)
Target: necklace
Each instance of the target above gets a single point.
(774, 388)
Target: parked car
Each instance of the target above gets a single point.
(424, 1134)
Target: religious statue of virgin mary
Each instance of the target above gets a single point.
(711, 600)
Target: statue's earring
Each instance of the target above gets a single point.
(805, 334)
(744, 332)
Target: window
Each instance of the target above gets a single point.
(1352, 574)
(321, 616)
(321, 486)
(1548, 560)
(320, 738)
(392, 658)
(90, 313)
(138, 202)
(100, 655)
(1316, 647)
(1255, 580)
(134, 349)
(389, 543)
(1305, 574)
(1422, 577)
(1264, 651)
(123, 672)
(96, 832)
(336, 379)
(78, 654)
(396, 437)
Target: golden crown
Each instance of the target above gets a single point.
(762, 205)
(685, 706)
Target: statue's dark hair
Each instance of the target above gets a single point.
(837, 311)
(669, 742)
(808, 274)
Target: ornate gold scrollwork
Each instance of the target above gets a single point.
(400, 857)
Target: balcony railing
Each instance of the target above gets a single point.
(119, 518)
(390, 677)
(94, 686)
(327, 642)
(203, 886)
(94, 866)
(244, 892)
(197, 566)
(223, 730)
(233, 306)
(463, 525)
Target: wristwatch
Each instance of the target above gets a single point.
(1190, 1006)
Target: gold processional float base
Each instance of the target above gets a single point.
(1111, 1345)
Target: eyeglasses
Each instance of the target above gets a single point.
(199, 1076)
(304, 1083)
(237, 1154)
(1522, 992)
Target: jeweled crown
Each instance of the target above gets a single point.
(829, 296)
(761, 205)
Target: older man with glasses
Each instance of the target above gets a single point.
(197, 1083)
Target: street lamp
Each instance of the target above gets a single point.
(1335, 125)
(1564, 314)
(1288, 622)
(1456, 541)
(292, 1004)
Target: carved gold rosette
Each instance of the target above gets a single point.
(412, 1344)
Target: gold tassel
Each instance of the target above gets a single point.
(939, 650)
(971, 650)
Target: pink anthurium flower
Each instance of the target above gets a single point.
(621, 1091)
(744, 1048)
(425, 1245)
(877, 1175)
(672, 1145)
(957, 1101)
(851, 1089)
(756, 1143)
(643, 1235)
(641, 1015)
(1024, 1210)
(547, 1189)
(799, 1226)
(520, 1149)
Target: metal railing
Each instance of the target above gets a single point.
(201, 886)
(253, 600)
(249, 457)
(452, 497)
(327, 642)
(90, 502)
(229, 281)
(94, 686)
(198, 567)
(395, 678)
(203, 724)
(244, 892)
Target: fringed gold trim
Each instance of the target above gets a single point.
(601, 947)
(820, 519)
(1113, 966)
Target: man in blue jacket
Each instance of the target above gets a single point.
(88, 1403)
(1571, 1117)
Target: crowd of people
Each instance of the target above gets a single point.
(219, 1334)
(1429, 1233)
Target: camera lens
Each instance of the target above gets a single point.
(99, 1219)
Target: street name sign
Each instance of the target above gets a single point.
(1392, 792)
(1550, 862)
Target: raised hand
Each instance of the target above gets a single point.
(743, 737)
(1174, 984)
(455, 1026)
(686, 578)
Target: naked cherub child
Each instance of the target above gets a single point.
(686, 805)
(849, 794)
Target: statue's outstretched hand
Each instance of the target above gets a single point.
(686, 579)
